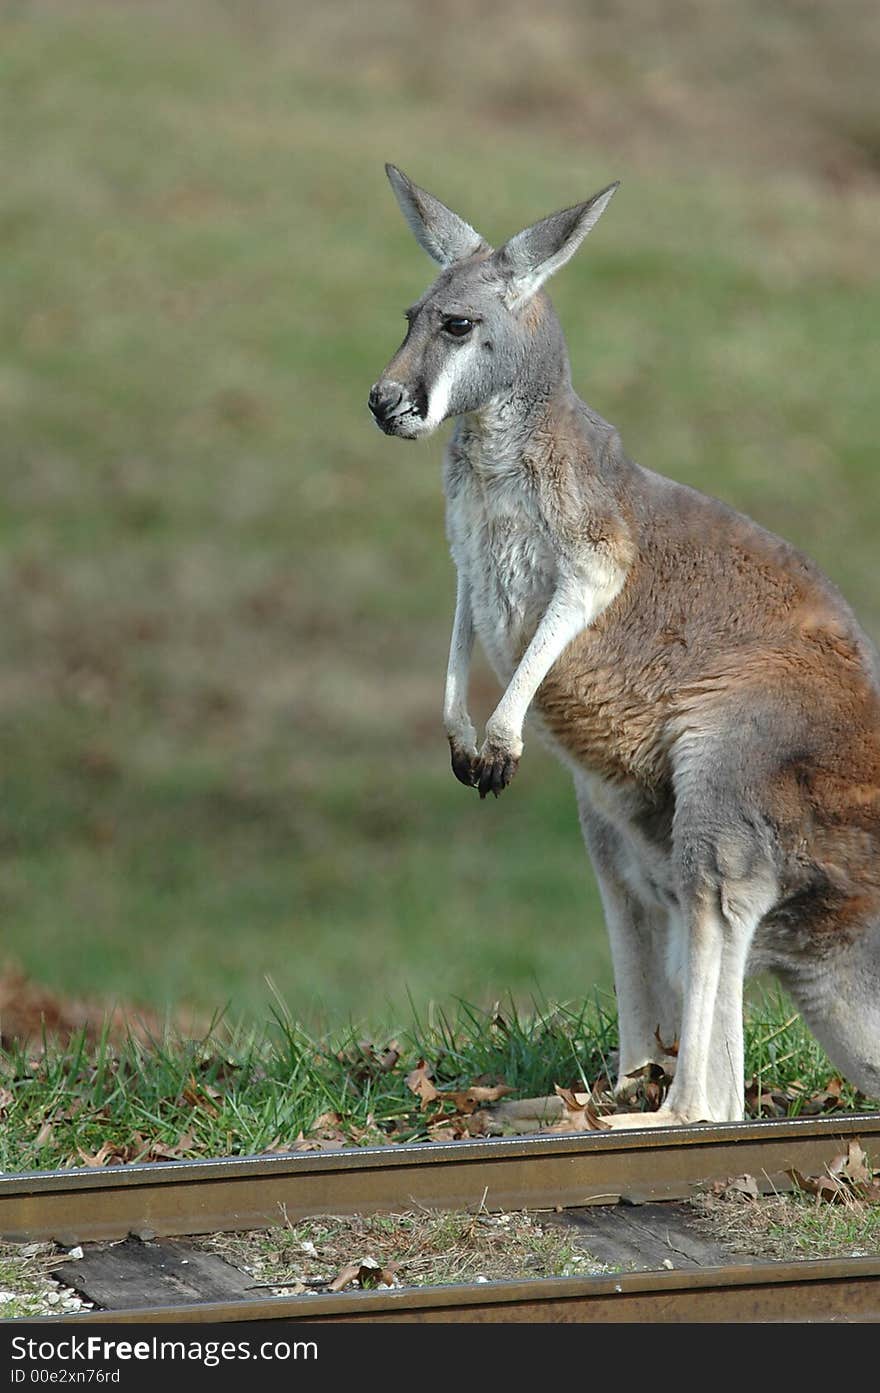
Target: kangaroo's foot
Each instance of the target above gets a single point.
(664, 1117)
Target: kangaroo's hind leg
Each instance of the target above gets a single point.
(725, 859)
(639, 929)
(708, 1083)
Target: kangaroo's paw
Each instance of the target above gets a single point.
(495, 767)
(464, 762)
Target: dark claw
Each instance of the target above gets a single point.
(495, 773)
(464, 766)
(485, 783)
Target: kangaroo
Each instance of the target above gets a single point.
(708, 687)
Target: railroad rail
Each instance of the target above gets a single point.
(571, 1176)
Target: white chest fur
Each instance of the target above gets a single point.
(500, 545)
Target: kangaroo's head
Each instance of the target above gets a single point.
(475, 331)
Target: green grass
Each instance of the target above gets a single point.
(792, 1226)
(236, 1091)
(25, 1282)
(799, 1228)
(240, 1090)
(226, 598)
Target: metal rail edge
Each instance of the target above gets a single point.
(838, 1289)
(535, 1172)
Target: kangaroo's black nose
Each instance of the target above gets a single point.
(383, 399)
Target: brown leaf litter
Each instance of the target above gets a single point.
(834, 1214)
(30, 1013)
(849, 1179)
(468, 1116)
(137, 1148)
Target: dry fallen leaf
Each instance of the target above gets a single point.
(373, 1274)
(853, 1165)
(825, 1101)
(849, 1179)
(443, 1130)
(345, 1277)
(159, 1151)
(761, 1102)
(577, 1116)
(824, 1187)
(303, 1143)
(197, 1095)
(482, 1094)
(418, 1080)
(363, 1062)
(460, 1100)
(109, 1153)
(478, 1123)
(326, 1134)
(737, 1187)
(44, 1136)
(368, 1273)
(328, 1126)
(388, 1060)
(467, 1100)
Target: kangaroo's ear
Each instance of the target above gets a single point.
(534, 254)
(440, 232)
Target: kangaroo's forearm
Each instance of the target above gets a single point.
(575, 604)
(455, 703)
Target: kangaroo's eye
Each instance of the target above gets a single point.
(458, 328)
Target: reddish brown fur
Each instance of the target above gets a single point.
(717, 616)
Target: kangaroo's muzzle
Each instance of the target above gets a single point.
(393, 408)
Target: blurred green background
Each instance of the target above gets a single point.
(226, 597)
